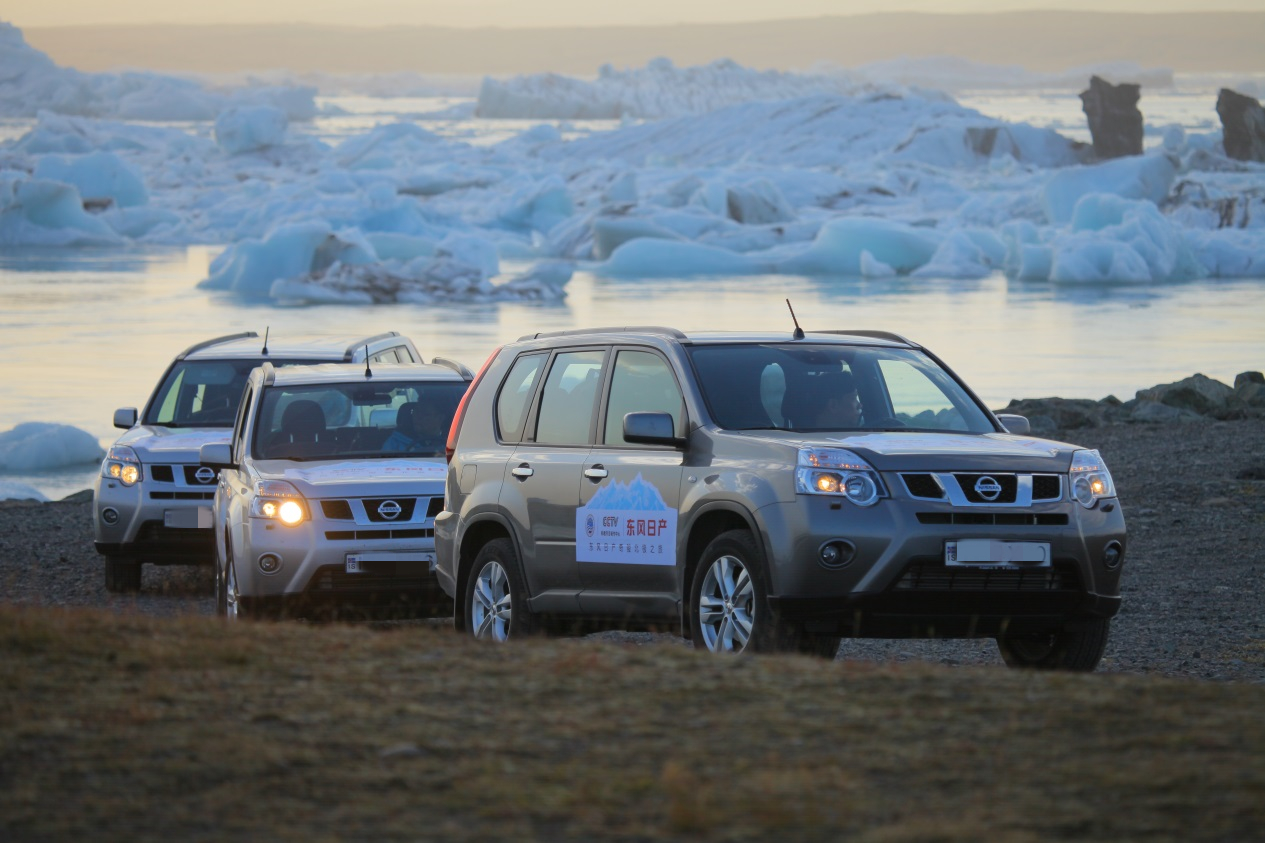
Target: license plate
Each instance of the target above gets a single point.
(357, 563)
(194, 518)
(981, 553)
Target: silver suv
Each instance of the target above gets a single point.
(770, 492)
(152, 501)
(329, 488)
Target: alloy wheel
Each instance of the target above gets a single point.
(726, 606)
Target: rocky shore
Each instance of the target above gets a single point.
(1189, 464)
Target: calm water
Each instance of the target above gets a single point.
(84, 332)
(88, 332)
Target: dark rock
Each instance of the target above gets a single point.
(1197, 393)
(1242, 126)
(1244, 378)
(1046, 415)
(1115, 122)
(1155, 412)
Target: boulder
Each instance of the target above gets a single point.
(1242, 126)
(1115, 122)
(1198, 394)
(1046, 415)
(1249, 389)
(1155, 412)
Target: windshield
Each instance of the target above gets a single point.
(811, 388)
(203, 393)
(355, 420)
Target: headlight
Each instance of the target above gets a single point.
(277, 500)
(121, 464)
(1090, 479)
(835, 471)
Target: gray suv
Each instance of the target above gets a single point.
(767, 492)
(152, 500)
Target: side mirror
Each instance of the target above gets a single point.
(125, 418)
(651, 429)
(1014, 424)
(217, 455)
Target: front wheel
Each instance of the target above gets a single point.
(495, 595)
(729, 610)
(1076, 648)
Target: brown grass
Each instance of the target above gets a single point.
(140, 729)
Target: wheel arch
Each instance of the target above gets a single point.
(477, 534)
(709, 523)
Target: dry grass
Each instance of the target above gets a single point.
(141, 729)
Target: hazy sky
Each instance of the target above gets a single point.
(516, 13)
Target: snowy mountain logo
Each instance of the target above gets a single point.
(626, 524)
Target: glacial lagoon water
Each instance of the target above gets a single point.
(83, 332)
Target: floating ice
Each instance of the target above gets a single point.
(39, 446)
(250, 268)
(100, 177)
(47, 213)
(250, 128)
(11, 490)
(1136, 177)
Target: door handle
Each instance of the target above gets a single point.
(522, 472)
(597, 472)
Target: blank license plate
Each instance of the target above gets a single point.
(194, 518)
(979, 553)
(359, 563)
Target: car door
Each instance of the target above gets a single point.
(629, 495)
(542, 487)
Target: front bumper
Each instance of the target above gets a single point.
(898, 585)
(314, 567)
(154, 522)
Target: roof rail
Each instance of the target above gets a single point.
(269, 372)
(630, 329)
(876, 335)
(208, 343)
(350, 354)
(455, 366)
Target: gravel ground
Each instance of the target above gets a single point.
(1194, 602)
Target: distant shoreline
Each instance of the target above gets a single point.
(1228, 42)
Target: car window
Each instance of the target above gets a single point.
(917, 400)
(388, 356)
(203, 393)
(831, 387)
(516, 392)
(641, 381)
(567, 398)
(355, 420)
(240, 426)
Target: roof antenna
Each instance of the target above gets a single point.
(799, 332)
(368, 371)
(265, 349)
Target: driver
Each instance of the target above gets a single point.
(839, 406)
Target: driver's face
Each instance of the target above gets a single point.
(845, 409)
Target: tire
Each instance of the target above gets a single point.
(221, 581)
(1076, 648)
(234, 608)
(496, 595)
(122, 575)
(729, 610)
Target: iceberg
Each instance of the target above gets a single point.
(40, 446)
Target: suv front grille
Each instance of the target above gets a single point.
(191, 476)
(1001, 519)
(1047, 487)
(181, 496)
(162, 474)
(928, 574)
(406, 505)
(337, 510)
(923, 486)
(1008, 482)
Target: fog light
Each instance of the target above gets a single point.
(110, 515)
(836, 554)
(1112, 555)
(270, 563)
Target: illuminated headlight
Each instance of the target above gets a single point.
(1090, 479)
(835, 471)
(121, 464)
(277, 500)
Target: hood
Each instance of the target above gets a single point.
(925, 451)
(171, 444)
(359, 478)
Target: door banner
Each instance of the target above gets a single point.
(626, 524)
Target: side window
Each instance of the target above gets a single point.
(566, 402)
(239, 446)
(917, 400)
(167, 411)
(404, 355)
(516, 392)
(387, 356)
(641, 382)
